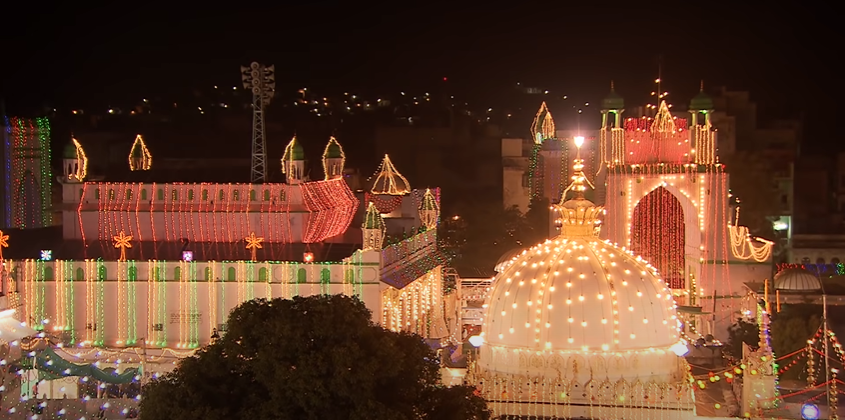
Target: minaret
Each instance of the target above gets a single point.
(373, 229)
(759, 382)
(543, 126)
(429, 211)
(140, 158)
(74, 163)
(333, 160)
(702, 135)
(293, 162)
(612, 141)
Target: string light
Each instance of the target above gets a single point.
(253, 244)
(389, 181)
(28, 170)
(81, 167)
(121, 241)
(333, 160)
(4, 243)
(543, 126)
(140, 158)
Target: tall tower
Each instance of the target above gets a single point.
(333, 160)
(545, 166)
(293, 162)
(74, 163)
(703, 136)
(27, 177)
(261, 81)
(612, 138)
(373, 229)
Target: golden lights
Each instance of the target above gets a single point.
(389, 181)
(121, 241)
(253, 244)
(140, 158)
(82, 163)
(333, 159)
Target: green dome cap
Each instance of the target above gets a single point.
(701, 102)
(70, 151)
(613, 100)
(373, 220)
(333, 150)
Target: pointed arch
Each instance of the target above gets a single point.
(658, 234)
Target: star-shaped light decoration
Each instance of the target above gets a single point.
(253, 243)
(122, 241)
(46, 254)
(4, 243)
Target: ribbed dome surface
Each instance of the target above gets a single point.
(580, 293)
(798, 280)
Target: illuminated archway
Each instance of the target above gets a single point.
(658, 235)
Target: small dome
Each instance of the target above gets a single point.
(333, 151)
(797, 280)
(70, 151)
(507, 259)
(298, 152)
(373, 219)
(701, 102)
(613, 101)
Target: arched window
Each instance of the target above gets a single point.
(222, 195)
(174, 195)
(144, 194)
(230, 275)
(262, 274)
(177, 273)
(97, 194)
(190, 195)
(48, 274)
(207, 273)
(805, 260)
(251, 195)
(204, 195)
(128, 194)
(80, 274)
(325, 276)
(156, 274)
(834, 260)
(819, 260)
(349, 276)
(266, 195)
(236, 195)
(301, 276)
(160, 194)
(132, 274)
(102, 273)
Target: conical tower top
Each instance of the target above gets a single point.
(389, 181)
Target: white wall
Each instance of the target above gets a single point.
(187, 309)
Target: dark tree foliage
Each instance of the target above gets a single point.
(790, 329)
(318, 357)
(751, 181)
(483, 232)
(740, 332)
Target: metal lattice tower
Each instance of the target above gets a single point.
(261, 81)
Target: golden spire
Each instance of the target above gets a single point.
(578, 216)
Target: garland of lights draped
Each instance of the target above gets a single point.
(82, 300)
(658, 235)
(219, 213)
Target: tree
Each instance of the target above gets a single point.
(318, 357)
(791, 328)
(741, 332)
(751, 175)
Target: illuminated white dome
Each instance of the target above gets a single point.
(580, 294)
(797, 280)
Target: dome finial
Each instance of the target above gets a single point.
(612, 88)
(578, 216)
(702, 86)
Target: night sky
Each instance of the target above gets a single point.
(785, 54)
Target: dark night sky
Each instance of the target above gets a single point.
(783, 53)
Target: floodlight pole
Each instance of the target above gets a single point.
(261, 81)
